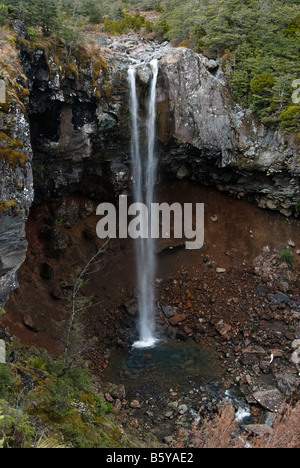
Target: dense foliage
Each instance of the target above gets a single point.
(258, 40)
(43, 404)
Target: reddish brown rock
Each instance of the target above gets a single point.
(177, 319)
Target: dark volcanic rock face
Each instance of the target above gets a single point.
(82, 142)
(16, 195)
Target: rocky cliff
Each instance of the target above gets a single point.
(74, 133)
(16, 190)
(225, 144)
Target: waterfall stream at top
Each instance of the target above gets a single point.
(144, 175)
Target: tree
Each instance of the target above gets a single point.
(78, 304)
(3, 14)
(46, 15)
(262, 91)
(290, 118)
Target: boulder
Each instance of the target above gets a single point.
(2, 352)
(20, 29)
(118, 392)
(29, 323)
(223, 328)
(270, 399)
(168, 311)
(176, 319)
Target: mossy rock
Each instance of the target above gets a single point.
(11, 151)
(7, 206)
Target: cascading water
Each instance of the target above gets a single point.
(144, 175)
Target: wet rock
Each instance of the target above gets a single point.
(255, 411)
(270, 399)
(181, 335)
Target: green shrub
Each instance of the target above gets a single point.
(37, 363)
(101, 407)
(56, 401)
(287, 256)
(15, 427)
(127, 23)
(6, 380)
(262, 91)
(3, 14)
(290, 118)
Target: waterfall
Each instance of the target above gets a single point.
(144, 174)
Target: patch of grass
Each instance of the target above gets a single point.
(287, 256)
